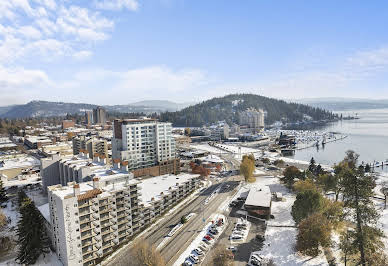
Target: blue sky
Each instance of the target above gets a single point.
(121, 51)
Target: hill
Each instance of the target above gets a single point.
(49, 109)
(228, 107)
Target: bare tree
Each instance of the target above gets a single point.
(142, 253)
(384, 190)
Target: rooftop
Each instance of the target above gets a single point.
(259, 196)
(152, 187)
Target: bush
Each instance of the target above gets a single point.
(313, 231)
(278, 162)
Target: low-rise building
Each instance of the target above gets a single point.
(259, 201)
(35, 142)
(67, 124)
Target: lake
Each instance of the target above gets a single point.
(367, 136)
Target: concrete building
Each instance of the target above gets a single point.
(63, 148)
(90, 219)
(91, 145)
(143, 143)
(219, 131)
(99, 116)
(88, 117)
(35, 142)
(253, 119)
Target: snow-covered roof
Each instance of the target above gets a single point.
(152, 187)
(259, 196)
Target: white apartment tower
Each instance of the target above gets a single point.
(89, 219)
(142, 142)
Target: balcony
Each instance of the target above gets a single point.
(86, 235)
(85, 227)
(84, 211)
(84, 219)
(83, 205)
(104, 210)
(87, 242)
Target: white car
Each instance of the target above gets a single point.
(194, 258)
(187, 263)
(232, 248)
(198, 251)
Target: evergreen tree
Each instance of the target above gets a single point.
(307, 202)
(312, 165)
(32, 237)
(3, 194)
(358, 191)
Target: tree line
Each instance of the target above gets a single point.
(351, 211)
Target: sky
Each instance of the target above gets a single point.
(123, 51)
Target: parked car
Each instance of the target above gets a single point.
(235, 237)
(208, 237)
(187, 263)
(198, 251)
(194, 258)
(232, 248)
(214, 231)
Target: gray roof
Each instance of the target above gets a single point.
(259, 196)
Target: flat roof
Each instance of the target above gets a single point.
(152, 187)
(259, 196)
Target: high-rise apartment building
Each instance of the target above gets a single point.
(99, 116)
(143, 143)
(91, 145)
(88, 117)
(253, 118)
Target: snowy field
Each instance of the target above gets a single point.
(279, 241)
(207, 148)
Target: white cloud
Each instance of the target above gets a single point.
(18, 85)
(52, 29)
(30, 32)
(82, 55)
(117, 4)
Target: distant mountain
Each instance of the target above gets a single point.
(49, 109)
(343, 104)
(45, 109)
(228, 107)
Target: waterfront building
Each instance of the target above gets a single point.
(253, 119)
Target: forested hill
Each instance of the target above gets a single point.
(228, 107)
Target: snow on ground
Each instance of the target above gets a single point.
(198, 240)
(49, 259)
(279, 241)
(206, 147)
(236, 148)
(11, 212)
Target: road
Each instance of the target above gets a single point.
(181, 240)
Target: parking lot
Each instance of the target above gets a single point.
(243, 248)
